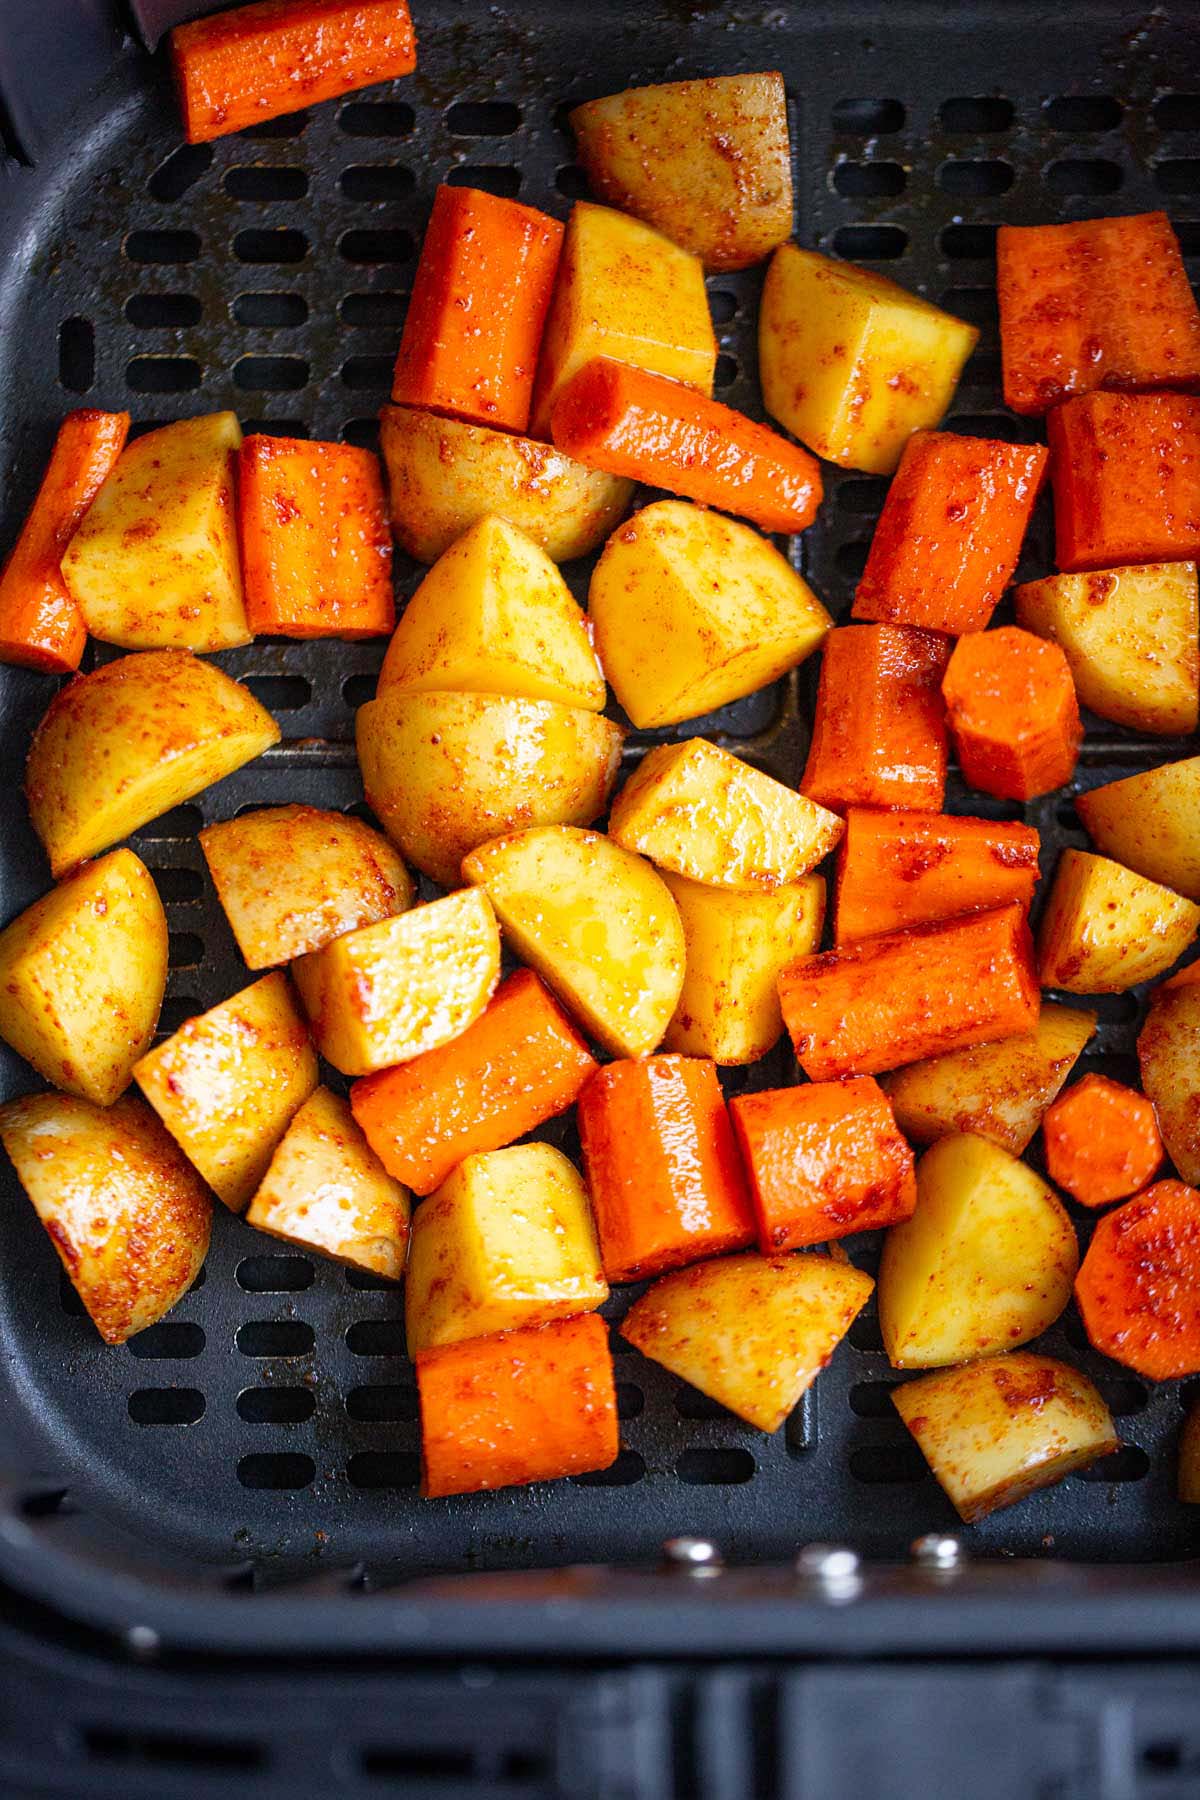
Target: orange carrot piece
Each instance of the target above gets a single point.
(824, 1160)
(40, 625)
(906, 868)
(666, 1183)
(1102, 1141)
(950, 533)
(522, 1062)
(242, 67)
(521, 1406)
(645, 426)
(1102, 303)
(892, 1000)
(1012, 712)
(1138, 1287)
(879, 731)
(479, 303)
(1126, 475)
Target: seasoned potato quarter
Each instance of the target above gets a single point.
(1168, 1050)
(1151, 823)
(1105, 929)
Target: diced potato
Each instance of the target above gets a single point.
(596, 922)
(691, 610)
(1105, 929)
(752, 1332)
(996, 1431)
(292, 878)
(125, 1210)
(327, 1191)
(1130, 636)
(736, 948)
(131, 740)
(494, 616)
(996, 1091)
(700, 812)
(507, 1240)
(228, 1084)
(386, 992)
(1189, 1458)
(708, 163)
(1168, 1050)
(851, 364)
(985, 1263)
(155, 563)
(1151, 823)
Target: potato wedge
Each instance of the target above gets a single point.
(1151, 823)
(1105, 929)
(155, 564)
(386, 992)
(131, 740)
(229, 1082)
(691, 610)
(996, 1431)
(596, 922)
(127, 1213)
(698, 811)
(1189, 1458)
(985, 1263)
(752, 1332)
(1168, 1049)
(292, 878)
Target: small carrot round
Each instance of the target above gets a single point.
(1102, 1141)
(1138, 1289)
(1012, 712)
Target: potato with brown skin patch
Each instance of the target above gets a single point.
(1105, 929)
(1168, 1050)
(1151, 823)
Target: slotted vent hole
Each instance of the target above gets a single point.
(1177, 112)
(1083, 177)
(181, 171)
(377, 311)
(1082, 113)
(288, 126)
(271, 374)
(265, 182)
(275, 1274)
(362, 432)
(628, 1469)
(1180, 176)
(870, 243)
(172, 1340)
(166, 1406)
(165, 247)
(867, 117)
(76, 355)
(723, 306)
(382, 1405)
(362, 374)
(709, 1466)
(276, 1337)
(185, 950)
(572, 182)
(975, 180)
(379, 246)
(969, 243)
(377, 119)
(271, 311)
(276, 1405)
(376, 1337)
(163, 374)
(501, 179)
(280, 245)
(163, 312)
(1129, 1463)
(973, 115)
(217, 1755)
(483, 118)
(869, 180)
(384, 1469)
(375, 183)
(280, 693)
(358, 689)
(878, 1465)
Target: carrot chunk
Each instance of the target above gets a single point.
(522, 1406)
(316, 545)
(666, 1182)
(1102, 1141)
(1138, 1289)
(40, 625)
(1012, 712)
(1126, 475)
(1102, 303)
(879, 730)
(950, 532)
(633, 422)
(906, 868)
(522, 1062)
(895, 999)
(478, 309)
(824, 1160)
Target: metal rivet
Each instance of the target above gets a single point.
(933, 1551)
(828, 1562)
(143, 1641)
(693, 1555)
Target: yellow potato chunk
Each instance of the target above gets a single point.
(596, 922)
(327, 1191)
(997, 1431)
(1168, 1050)
(752, 1332)
(127, 1213)
(691, 610)
(1105, 929)
(507, 1240)
(494, 616)
(985, 1263)
(155, 564)
(131, 740)
(82, 976)
(386, 992)
(228, 1084)
(1130, 637)
(1189, 1458)
(850, 363)
(1151, 823)
(626, 292)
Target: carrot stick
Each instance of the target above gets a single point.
(879, 732)
(1102, 1141)
(905, 868)
(1126, 475)
(1138, 1289)
(645, 426)
(1012, 712)
(40, 625)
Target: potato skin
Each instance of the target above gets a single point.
(1168, 1049)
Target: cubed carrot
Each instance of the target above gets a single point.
(1100, 303)
(316, 544)
(478, 309)
(243, 67)
(879, 730)
(892, 1000)
(666, 1182)
(1102, 1141)
(522, 1406)
(40, 625)
(823, 1160)
(522, 1062)
(1138, 1287)
(906, 868)
(950, 533)
(1126, 475)
(1012, 712)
